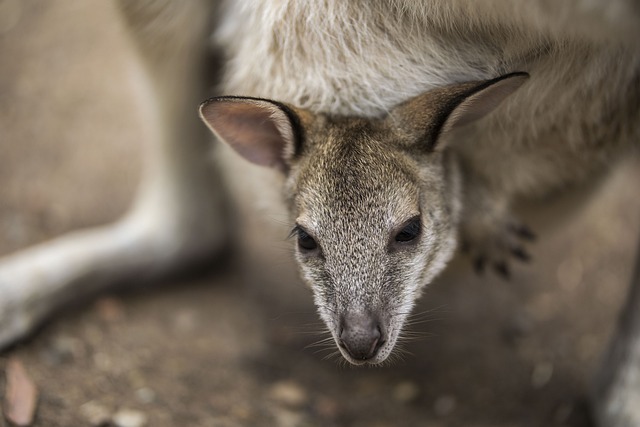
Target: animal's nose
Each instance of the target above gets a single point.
(361, 336)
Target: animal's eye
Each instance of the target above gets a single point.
(305, 241)
(410, 231)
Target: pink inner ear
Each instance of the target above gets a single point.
(249, 127)
(483, 102)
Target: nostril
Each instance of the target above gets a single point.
(380, 341)
(375, 345)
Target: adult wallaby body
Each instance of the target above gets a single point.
(395, 142)
(404, 127)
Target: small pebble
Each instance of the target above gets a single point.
(145, 395)
(444, 405)
(21, 396)
(541, 375)
(110, 309)
(406, 392)
(518, 327)
(103, 362)
(326, 407)
(185, 321)
(289, 393)
(562, 413)
(241, 411)
(288, 418)
(129, 418)
(95, 413)
(62, 349)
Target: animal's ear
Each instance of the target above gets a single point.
(430, 116)
(262, 131)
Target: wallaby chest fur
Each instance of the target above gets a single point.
(363, 58)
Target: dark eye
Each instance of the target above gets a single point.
(410, 231)
(305, 241)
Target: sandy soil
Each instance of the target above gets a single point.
(217, 349)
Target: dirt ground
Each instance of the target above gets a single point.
(217, 349)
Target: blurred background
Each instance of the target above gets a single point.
(233, 349)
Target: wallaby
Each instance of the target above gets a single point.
(391, 145)
(400, 126)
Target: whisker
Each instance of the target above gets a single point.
(423, 321)
(308, 333)
(333, 355)
(416, 334)
(326, 342)
(322, 350)
(440, 309)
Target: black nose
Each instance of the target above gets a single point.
(361, 336)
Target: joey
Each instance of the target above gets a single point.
(376, 203)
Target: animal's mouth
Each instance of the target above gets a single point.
(376, 359)
(371, 356)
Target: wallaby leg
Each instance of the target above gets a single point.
(177, 216)
(618, 384)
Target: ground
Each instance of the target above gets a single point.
(216, 349)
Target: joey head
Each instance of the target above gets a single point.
(376, 202)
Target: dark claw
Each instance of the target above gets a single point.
(502, 269)
(465, 247)
(521, 254)
(524, 232)
(478, 265)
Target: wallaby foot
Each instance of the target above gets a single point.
(617, 397)
(491, 235)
